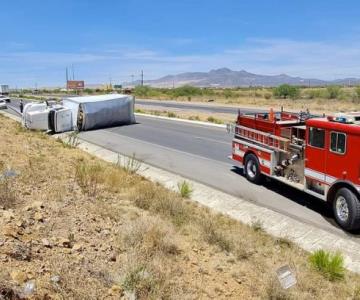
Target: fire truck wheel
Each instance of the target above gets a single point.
(252, 168)
(346, 208)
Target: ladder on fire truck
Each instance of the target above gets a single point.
(274, 142)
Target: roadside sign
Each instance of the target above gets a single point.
(75, 84)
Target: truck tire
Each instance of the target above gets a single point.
(346, 207)
(252, 169)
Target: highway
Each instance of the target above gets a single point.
(201, 107)
(200, 153)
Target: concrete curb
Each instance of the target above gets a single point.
(182, 120)
(306, 236)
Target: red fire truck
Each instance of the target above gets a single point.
(318, 155)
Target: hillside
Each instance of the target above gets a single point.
(225, 77)
(74, 227)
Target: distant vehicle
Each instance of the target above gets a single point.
(6, 98)
(4, 89)
(3, 104)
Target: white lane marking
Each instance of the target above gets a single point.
(169, 149)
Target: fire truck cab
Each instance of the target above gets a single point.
(318, 155)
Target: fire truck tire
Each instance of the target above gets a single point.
(252, 169)
(346, 208)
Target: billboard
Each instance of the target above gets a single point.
(75, 84)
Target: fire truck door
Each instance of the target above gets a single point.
(315, 154)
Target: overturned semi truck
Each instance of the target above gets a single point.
(80, 113)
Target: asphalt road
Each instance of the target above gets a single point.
(200, 153)
(209, 108)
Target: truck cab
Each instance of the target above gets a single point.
(332, 164)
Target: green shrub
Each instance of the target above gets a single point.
(286, 91)
(185, 189)
(330, 265)
(186, 91)
(314, 93)
(333, 91)
(228, 94)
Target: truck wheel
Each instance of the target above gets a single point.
(346, 208)
(252, 169)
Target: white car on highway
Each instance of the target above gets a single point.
(3, 104)
(6, 98)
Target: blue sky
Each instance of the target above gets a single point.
(117, 39)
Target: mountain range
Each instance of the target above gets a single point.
(225, 77)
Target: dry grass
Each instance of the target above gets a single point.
(134, 236)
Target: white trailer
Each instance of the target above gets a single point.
(4, 89)
(92, 112)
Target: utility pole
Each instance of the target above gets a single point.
(67, 79)
(132, 80)
(142, 77)
(73, 72)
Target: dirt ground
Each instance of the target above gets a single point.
(74, 227)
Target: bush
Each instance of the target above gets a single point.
(333, 91)
(357, 90)
(228, 94)
(314, 93)
(286, 91)
(185, 189)
(330, 265)
(267, 96)
(186, 91)
(142, 91)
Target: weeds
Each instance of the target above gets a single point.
(157, 200)
(7, 194)
(329, 265)
(150, 236)
(275, 292)
(130, 164)
(194, 118)
(139, 111)
(170, 114)
(72, 140)
(89, 176)
(257, 226)
(214, 236)
(214, 120)
(185, 189)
